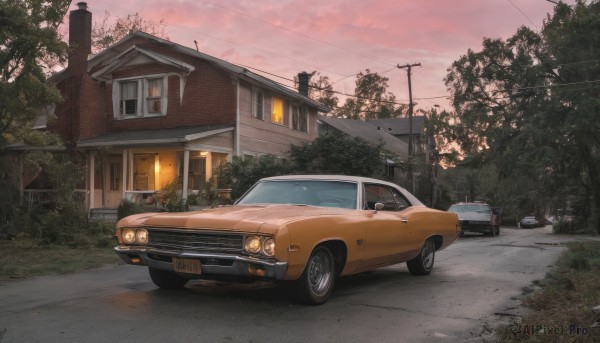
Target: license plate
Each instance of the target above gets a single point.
(183, 265)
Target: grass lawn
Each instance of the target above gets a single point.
(561, 308)
(21, 259)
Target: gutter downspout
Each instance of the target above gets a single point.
(237, 119)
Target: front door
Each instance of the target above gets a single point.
(114, 182)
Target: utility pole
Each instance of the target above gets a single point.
(410, 130)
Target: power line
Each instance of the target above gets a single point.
(522, 13)
(317, 88)
(283, 28)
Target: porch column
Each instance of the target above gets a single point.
(92, 156)
(124, 175)
(186, 171)
(131, 167)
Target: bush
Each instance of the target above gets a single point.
(127, 208)
(241, 173)
(171, 199)
(563, 227)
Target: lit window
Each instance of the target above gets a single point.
(257, 104)
(277, 115)
(140, 97)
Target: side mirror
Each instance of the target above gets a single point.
(378, 207)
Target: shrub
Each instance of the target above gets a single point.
(241, 173)
(563, 227)
(127, 208)
(61, 225)
(171, 198)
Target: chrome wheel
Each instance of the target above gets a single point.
(422, 264)
(316, 282)
(320, 272)
(428, 253)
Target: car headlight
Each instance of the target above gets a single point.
(134, 236)
(128, 236)
(141, 236)
(269, 247)
(253, 244)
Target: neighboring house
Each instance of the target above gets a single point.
(359, 128)
(147, 111)
(423, 153)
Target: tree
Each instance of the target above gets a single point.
(105, 34)
(28, 36)
(241, 173)
(529, 106)
(29, 33)
(371, 99)
(338, 153)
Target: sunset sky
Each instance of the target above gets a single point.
(339, 38)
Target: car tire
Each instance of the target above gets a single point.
(165, 279)
(423, 263)
(316, 282)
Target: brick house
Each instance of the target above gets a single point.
(147, 111)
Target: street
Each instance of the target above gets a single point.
(475, 282)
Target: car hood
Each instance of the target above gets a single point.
(243, 218)
(476, 216)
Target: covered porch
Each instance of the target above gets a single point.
(137, 165)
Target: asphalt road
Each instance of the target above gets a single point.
(475, 283)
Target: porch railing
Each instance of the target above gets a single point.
(34, 198)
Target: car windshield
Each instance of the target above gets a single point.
(470, 208)
(529, 218)
(322, 193)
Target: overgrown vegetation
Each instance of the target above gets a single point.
(241, 173)
(339, 153)
(528, 106)
(565, 301)
(336, 153)
(171, 199)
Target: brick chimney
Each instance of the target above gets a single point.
(303, 78)
(80, 38)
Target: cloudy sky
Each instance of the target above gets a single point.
(339, 38)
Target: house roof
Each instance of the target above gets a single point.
(180, 136)
(399, 126)
(112, 54)
(359, 128)
(28, 147)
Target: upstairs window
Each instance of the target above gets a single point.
(257, 103)
(299, 118)
(277, 114)
(129, 98)
(154, 95)
(140, 97)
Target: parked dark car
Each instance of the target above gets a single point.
(529, 222)
(477, 217)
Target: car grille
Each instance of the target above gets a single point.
(209, 242)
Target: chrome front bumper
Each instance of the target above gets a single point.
(219, 264)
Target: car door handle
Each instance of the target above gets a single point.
(404, 220)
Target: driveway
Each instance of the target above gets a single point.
(475, 283)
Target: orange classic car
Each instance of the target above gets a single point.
(308, 230)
